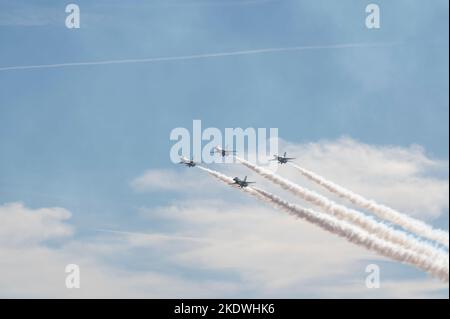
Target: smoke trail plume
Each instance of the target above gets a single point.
(222, 177)
(358, 236)
(352, 233)
(408, 223)
(366, 222)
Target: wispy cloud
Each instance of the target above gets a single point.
(182, 180)
(24, 226)
(19, 14)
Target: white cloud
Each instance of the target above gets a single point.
(249, 250)
(186, 180)
(31, 268)
(24, 226)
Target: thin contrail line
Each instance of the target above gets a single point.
(197, 56)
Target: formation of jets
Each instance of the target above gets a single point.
(242, 183)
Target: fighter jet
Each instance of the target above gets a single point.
(241, 183)
(222, 152)
(282, 159)
(186, 161)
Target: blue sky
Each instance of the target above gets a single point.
(76, 137)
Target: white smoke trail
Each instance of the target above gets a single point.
(195, 57)
(358, 236)
(366, 222)
(384, 212)
(222, 177)
(352, 233)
